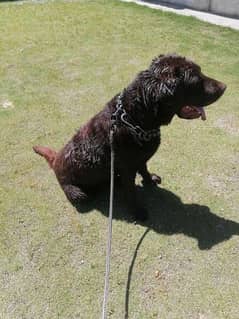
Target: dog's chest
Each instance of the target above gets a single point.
(128, 151)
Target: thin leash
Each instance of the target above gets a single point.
(109, 239)
(119, 118)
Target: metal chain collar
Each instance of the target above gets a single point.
(120, 117)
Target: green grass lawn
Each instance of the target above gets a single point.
(60, 63)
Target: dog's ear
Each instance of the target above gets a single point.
(170, 77)
(164, 69)
(167, 73)
(169, 86)
(156, 64)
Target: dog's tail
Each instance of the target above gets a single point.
(47, 153)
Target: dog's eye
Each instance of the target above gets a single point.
(194, 80)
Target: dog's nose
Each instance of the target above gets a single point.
(222, 86)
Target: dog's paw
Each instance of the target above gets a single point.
(156, 179)
(153, 180)
(74, 194)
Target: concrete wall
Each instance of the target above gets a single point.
(195, 4)
(222, 7)
(225, 7)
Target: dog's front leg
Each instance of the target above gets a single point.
(148, 178)
(128, 183)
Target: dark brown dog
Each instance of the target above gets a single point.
(171, 85)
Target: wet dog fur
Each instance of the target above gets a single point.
(172, 85)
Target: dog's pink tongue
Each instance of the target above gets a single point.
(203, 114)
(192, 112)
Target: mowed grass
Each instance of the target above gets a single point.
(60, 63)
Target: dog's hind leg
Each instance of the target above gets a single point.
(74, 194)
(148, 178)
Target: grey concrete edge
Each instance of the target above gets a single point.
(204, 16)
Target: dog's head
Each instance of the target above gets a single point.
(177, 86)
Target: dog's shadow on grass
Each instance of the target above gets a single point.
(169, 215)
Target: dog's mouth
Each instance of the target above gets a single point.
(192, 112)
